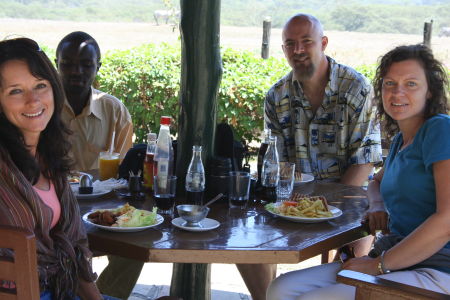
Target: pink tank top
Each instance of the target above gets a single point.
(51, 199)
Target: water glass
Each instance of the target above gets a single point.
(164, 189)
(238, 189)
(286, 181)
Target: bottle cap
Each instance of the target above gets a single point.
(165, 120)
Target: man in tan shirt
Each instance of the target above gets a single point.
(92, 115)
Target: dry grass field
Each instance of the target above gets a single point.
(352, 48)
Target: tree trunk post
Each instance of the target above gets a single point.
(201, 72)
(266, 38)
(427, 29)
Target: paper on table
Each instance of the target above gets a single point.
(110, 184)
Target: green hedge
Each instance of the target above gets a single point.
(147, 78)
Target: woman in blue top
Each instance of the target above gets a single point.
(410, 197)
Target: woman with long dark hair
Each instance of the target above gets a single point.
(34, 192)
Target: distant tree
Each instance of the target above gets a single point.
(350, 18)
(395, 16)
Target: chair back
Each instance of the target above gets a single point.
(133, 161)
(227, 146)
(370, 287)
(22, 268)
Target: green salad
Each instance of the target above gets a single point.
(271, 207)
(136, 218)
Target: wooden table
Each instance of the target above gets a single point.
(244, 236)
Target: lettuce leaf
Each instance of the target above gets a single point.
(137, 218)
(271, 207)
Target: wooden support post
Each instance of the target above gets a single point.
(427, 29)
(191, 281)
(267, 23)
(201, 72)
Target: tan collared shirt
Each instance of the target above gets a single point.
(94, 127)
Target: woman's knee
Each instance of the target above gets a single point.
(283, 286)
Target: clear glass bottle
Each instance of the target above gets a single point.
(262, 151)
(163, 159)
(149, 161)
(270, 170)
(195, 177)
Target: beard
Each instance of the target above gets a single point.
(303, 70)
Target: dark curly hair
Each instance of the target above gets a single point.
(436, 79)
(53, 147)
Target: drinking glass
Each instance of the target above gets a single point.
(108, 165)
(238, 189)
(286, 182)
(164, 189)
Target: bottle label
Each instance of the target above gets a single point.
(195, 182)
(163, 168)
(162, 173)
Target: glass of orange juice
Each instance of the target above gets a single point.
(108, 165)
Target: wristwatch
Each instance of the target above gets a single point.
(381, 267)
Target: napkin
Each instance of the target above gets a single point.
(110, 184)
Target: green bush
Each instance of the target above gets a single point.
(147, 80)
(245, 81)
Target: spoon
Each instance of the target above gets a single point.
(196, 209)
(212, 201)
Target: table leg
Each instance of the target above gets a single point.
(327, 256)
(191, 281)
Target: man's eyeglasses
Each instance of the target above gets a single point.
(19, 43)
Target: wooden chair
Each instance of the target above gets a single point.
(370, 287)
(22, 269)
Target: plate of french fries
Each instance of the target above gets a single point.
(304, 209)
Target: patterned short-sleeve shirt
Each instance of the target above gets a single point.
(341, 133)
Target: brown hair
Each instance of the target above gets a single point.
(53, 146)
(436, 79)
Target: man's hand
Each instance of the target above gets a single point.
(376, 219)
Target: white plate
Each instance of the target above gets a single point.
(159, 220)
(97, 192)
(334, 210)
(305, 178)
(207, 224)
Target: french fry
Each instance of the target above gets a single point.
(307, 206)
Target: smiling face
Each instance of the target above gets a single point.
(303, 46)
(77, 65)
(405, 92)
(26, 101)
